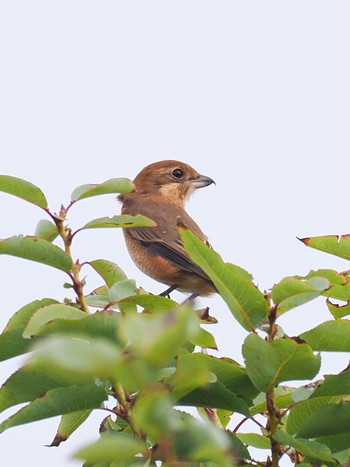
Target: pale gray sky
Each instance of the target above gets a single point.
(254, 94)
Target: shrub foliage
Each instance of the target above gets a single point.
(141, 358)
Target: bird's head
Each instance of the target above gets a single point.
(173, 180)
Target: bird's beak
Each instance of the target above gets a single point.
(201, 181)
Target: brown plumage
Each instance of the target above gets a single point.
(161, 190)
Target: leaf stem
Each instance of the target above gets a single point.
(273, 415)
(126, 408)
(272, 426)
(66, 235)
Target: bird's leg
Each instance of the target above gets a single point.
(191, 298)
(168, 291)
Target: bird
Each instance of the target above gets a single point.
(160, 193)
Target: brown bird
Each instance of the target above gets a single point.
(161, 190)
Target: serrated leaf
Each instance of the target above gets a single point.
(69, 423)
(47, 230)
(292, 291)
(109, 271)
(122, 221)
(338, 245)
(306, 447)
(119, 447)
(239, 271)
(332, 336)
(11, 341)
(114, 185)
(50, 313)
(23, 189)
(270, 363)
(57, 401)
(329, 420)
(245, 301)
(301, 412)
(36, 249)
(337, 443)
(332, 390)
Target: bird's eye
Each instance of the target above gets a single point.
(177, 173)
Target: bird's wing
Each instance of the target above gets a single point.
(172, 249)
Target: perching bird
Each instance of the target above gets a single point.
(161, 190)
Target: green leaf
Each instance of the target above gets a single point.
(69, 423)
(255, 440)
(338, 311)
(155, 414)
(332, 390)
(306, 447)
(57, 401)
(153, 303)
(104, 324)
(99, 301)
(122, 289)
(192, 372)
(238, 271)
(340, 292)
(119, 447)
(11, 341)
(36, 249)
(292, 292)
(230, 389)
(302, 411)
(198, 442)
(332, 336)
(334, 277)
(110, 272)
(204, 339)
(114, 185)
(338, 245)
(157, 338)
(122, 221)
(50, 313)
(269, 363)
(47, 230)
(31, 382)
(246, 302)
(334, 385)
(337, 443)
(282, 400)
(98, 357)
(23, 189)
(329, 420)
